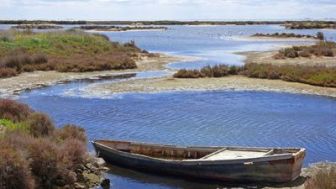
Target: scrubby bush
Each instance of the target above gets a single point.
(183, 73)
(70, 132)
(14, 169)
(39, 155)
(12, 110)
(208, 71)
(40, 125)
(75, 152)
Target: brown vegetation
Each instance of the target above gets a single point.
(284, 35)
(323, 177)
(41, 156)
(323, 48)
(208, 71)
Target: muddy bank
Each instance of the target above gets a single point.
(27, 81)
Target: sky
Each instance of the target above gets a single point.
(168, 9)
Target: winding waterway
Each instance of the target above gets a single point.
(247, 118)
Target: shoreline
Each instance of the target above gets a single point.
(38, 79)
(230, 83)
(28, 81)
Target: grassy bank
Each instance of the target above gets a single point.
(313, 75)
(36, 154)
(64, 51)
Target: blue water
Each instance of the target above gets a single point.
(195, 118)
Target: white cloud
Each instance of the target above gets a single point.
(167, 9)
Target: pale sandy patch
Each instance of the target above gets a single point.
(206, 84)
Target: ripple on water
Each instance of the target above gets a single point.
(205, 118)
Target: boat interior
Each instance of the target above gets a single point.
(192, 153)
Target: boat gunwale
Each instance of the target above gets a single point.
(203, 161)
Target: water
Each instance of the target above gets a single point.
(200, 118)
(195, 118)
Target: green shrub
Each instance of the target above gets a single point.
(11, 126)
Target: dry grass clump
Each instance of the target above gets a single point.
(314, 75)
(208, 71)
(323, 48)
(40, 156)
(323, 177)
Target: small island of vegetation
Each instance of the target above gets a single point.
(310, 25)
(41, 26)
(284, 35)
(63, 51)
(120, 28)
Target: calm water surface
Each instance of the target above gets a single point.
(195, 118)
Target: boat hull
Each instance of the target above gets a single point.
(273, 169)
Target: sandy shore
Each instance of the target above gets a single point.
(240, 83)
(26, 81)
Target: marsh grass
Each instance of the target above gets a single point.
(313, 75)
(63, 51)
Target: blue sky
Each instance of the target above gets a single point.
(168, 9)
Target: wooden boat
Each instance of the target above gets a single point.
(230, 164)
